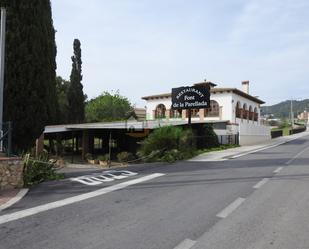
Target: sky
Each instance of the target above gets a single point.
(145, 47)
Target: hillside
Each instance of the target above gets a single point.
(282, 110)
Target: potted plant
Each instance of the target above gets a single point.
(90, 159)
(103, 160)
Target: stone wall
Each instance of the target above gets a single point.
(11, 173)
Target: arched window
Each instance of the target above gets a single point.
(244, 111)
(214, 110)
(256, 114)
(176, 113)
(160, 111)
(195, 113)
(238, 110)
(251, 115)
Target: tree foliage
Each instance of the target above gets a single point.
(62, 87)
(108, 107)
(76, 98)
(30, 70)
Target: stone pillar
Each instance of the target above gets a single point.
(153, 114)
(220, 112)
(39, 145)
(167, 113)
(184, 114)
(202, 114)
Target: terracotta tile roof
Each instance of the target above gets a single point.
(213, 90)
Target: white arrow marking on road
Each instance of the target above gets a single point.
(42, 208)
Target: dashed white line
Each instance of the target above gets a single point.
(278, 170)
(42, 208)
(186, 244)
(261, 183)
(296, 156)
(230, 208)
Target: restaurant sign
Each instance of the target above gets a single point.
(191, 97)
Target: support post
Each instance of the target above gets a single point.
(2, 61)
(189, 117)
(9, 139)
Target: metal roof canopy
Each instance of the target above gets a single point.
(124, 125)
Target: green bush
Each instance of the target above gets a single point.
(125, 156)
(103, 157)
(36, 171)
(169, 143)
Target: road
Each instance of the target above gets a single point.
(260, 200)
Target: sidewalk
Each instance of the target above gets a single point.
(11, 196)
(244, 150)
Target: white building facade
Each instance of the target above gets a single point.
(240, 109)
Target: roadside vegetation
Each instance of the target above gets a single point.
(170, 143)
(40, 169)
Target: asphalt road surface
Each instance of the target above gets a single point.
(260, 200)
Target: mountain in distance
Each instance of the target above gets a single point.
(283, 109)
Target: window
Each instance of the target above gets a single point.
(251, 114)
(245, 114)
(176, 113)
(195, 113)
(214, 110)
(160, 111)
(256, 114)
(238, 110)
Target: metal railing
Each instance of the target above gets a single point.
(6, 138)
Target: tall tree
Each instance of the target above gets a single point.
(76, 98)
(30, 70)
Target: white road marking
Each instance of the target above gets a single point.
(296, 156)
(257, 150)
(117, 177)
(264, 148)
(86, 180)
(186, 244)
(278, 170)
(42, 208)
(15, 199)
(231, 208)
(261, 183)
(106, 176)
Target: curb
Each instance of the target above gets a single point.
(15, 199)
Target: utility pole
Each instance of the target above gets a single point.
(292, 114)
(2, 61)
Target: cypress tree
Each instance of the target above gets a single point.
(30, 70)
(76, 98)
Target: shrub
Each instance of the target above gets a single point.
(36, 171)
(103, 157)
(125, 156)
(169, 143)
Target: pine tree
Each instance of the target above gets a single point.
(30, 70)
(76, 98)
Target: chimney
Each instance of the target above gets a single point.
(245, 86)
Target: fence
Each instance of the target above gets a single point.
(6, 138)
(276, 133)
(298, 130)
